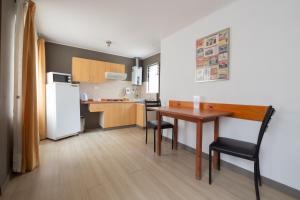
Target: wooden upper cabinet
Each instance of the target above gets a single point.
(114, 67)
(80, 69)
(93, 71)
(97, 71)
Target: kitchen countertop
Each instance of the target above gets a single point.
(104, 101)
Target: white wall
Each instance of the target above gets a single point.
(264, 70)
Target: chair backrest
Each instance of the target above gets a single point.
(249, 112)
(270, 111)
(151, 104)
(239, 111)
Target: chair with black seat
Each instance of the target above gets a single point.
(153, 123)
(241, 149)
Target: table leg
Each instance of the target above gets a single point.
(216, 135)
(158, 133)
(175, 138)
(198, 166)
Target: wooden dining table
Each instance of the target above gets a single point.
(192, 115)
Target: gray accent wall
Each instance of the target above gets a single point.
(6, 89)
(149, 61)
(59, 58)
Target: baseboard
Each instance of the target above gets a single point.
(109, 129)
(4, 184)
(274, 184)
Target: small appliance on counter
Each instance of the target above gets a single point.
(84, 97)
(130, 93)
(53, 77)
(127, 91)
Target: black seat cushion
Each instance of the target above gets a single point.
(164, 125)
(233, 147)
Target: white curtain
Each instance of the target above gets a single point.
(17, 110)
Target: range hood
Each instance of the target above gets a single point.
(115, 76)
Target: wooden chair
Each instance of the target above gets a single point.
(153, 123)
(242, 149)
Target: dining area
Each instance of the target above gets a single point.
(196, 100)
(203, 112)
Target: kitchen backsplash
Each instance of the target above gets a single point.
(114, 89)
(142, 92)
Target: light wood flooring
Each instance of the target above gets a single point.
(117, 164)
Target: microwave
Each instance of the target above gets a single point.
(53, 77)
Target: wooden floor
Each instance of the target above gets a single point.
(117, 164)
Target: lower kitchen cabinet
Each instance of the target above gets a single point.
(115, 114)
(140, 115)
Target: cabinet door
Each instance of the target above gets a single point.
(120, 68)
(112, 115)
(80, 69)
(140, 114)
(113, 67)
(115, 114)
(129, 113)
(97, 72)
(108, 67)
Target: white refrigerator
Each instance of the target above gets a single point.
(63, 110)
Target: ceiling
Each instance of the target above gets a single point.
(135, 27)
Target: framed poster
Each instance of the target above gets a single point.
(212, 57)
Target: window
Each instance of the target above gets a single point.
(153, 78)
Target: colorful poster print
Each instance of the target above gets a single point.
(212, 57)
(211, 51)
